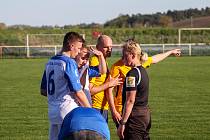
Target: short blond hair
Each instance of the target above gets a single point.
(133, 47)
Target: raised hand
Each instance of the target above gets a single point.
(176, 52)
(95, 51)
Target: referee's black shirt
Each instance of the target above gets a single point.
(142, 88)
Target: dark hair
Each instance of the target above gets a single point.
(85, 134)
(71, 37)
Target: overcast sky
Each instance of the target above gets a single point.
(65, 12)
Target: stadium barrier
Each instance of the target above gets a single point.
(39, 51)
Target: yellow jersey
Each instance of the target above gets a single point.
(99, 100)
(119, 68)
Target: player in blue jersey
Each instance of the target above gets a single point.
(84, 124)
(61, 83)
(86, 71)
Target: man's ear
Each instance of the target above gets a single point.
(71, 47)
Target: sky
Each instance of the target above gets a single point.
(72, 12)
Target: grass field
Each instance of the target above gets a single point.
(179, 99)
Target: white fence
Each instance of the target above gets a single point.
(50, 50)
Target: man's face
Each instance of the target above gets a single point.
(76, 47)
(106, 47)
(82, 57)
(107, 51)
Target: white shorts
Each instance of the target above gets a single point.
(57, 113)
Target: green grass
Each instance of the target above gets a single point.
(179, 99)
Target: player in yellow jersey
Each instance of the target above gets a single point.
(120, 69)
(98, 85)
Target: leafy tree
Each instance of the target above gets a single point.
(165, 21)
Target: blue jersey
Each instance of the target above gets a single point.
(83, 118)
(61, 81)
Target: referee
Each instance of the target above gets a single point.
(135, 123)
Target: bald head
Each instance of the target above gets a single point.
(104, 44)
(104, 39)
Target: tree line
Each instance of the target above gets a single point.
(154, 28)
(165, 19)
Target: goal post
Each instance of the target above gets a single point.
(188, 29)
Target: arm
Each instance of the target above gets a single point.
(159, 57)
(82, 99)
(110, 82)
(102, 62)
(114, 72)
(130, 99)
(115, 115)
(72, 77)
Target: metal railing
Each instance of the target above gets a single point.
(50, 50)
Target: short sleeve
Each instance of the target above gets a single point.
(114, 72)
(131, 80)
(147, 63)
(93, 71)
(94, 61)
(72, 76)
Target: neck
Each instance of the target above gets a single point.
(137, 64)
(66, 54)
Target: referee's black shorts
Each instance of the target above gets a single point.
(138, 124)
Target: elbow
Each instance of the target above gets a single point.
(103, 71)
(131, 102)
(92, 91)
(155, 60)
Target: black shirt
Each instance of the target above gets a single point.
(142, 89)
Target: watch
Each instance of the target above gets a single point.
(122, 122)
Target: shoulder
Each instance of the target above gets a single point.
(115, 68)
(132, 72)
(147, 63)
(131, 78)
(118, 63)
(64, 58)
